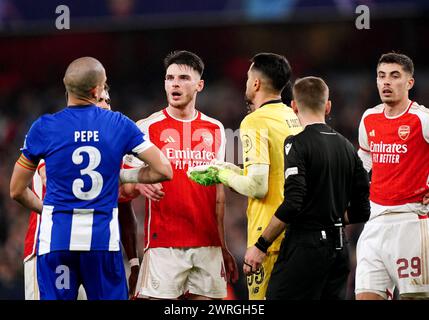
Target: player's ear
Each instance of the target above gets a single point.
(328, 106)
(410, 83)
(93, 93)
(200, 85)
(257, 84)
(294, 106)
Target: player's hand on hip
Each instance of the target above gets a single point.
(253, 260)
(151, 191)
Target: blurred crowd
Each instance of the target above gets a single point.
(31, 84)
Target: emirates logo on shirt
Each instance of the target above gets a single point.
(387, 152)
(404, 132)
(183, 159)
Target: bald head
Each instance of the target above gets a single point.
(83, 76)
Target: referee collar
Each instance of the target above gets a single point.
(271, 102)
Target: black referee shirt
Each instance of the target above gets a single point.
(324, 177)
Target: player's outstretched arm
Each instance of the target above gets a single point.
(158, 168)
(253, 185)
(19, 191)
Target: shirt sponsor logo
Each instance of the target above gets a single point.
(387, 152)
(382, 147)
(404, 132)
(182, 159)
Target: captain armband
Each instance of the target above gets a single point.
(26, 163)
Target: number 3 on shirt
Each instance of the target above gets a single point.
(96, 177)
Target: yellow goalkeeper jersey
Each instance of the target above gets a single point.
(262, 134)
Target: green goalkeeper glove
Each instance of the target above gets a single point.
(207, 177)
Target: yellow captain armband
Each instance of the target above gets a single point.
(26, 163)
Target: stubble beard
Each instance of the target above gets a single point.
(249, 103)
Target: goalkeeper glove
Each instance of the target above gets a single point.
(226, 165)
(204, 175)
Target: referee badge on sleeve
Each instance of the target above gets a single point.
(291, 171)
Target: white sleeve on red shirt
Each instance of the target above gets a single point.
(363, 135)
(130, 161)
(221, 152)
(423, 113)
(37, 186)
(364, 149)
(366, 159)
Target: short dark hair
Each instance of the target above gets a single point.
(311, 93)
(186, 58)
(275, 67)
(403, 60)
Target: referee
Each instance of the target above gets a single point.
(326, 187)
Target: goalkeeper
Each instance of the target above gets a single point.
(262, 134)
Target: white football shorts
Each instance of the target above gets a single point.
(30, 279)
(168, 273)
(393, 250)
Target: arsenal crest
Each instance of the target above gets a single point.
(404, 132)
(207, 138)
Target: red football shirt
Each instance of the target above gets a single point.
(186, 216)
(399, 148)
(34, 219)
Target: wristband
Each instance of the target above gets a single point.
(134, 262)
(262, 244)
(129, 175)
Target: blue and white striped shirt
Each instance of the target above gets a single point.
(83, 148)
